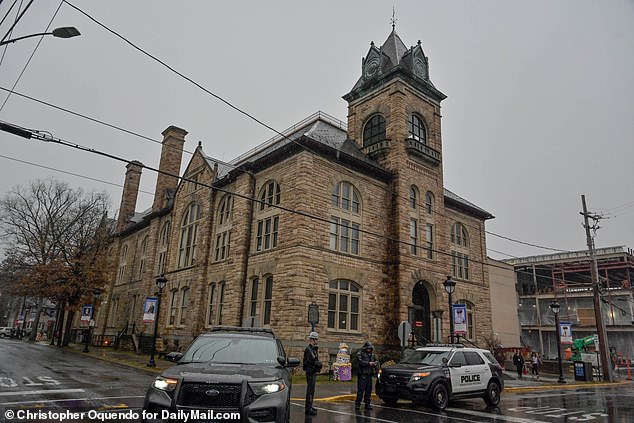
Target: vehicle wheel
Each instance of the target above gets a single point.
(492, 394)
(390, 402)
(439, 397)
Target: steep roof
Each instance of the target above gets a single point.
(461, 203)
(394, 48)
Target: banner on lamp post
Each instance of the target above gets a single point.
(149, 309)
(565, 332)
(459, 319)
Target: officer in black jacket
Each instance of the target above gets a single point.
(368, 365)
(311, 366)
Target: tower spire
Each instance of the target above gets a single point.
(393, 20)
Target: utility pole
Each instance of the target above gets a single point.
(603, 337)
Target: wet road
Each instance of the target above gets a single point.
(41, 379)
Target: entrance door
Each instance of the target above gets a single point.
(421, 316)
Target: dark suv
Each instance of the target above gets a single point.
(438, 374)
(228, 369)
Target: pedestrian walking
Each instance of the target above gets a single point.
(535, 363)
(311, 366)
(368, 366)
(518, 360)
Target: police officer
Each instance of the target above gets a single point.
(311, 366)
(368, 365)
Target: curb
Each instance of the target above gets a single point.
(563, 386)
(150, 370)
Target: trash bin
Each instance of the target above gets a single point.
(583, 371)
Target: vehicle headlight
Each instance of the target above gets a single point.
(418, 376)
(165, 383)
(268, 387)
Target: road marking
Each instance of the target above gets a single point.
(44, 391)
(493, 416)
(365, 416)
(560, 394)
(69, 399)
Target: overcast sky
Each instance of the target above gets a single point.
(539, 108)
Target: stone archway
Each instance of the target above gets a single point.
(420, 313)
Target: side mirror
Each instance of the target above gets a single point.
(292, 362)
(174, 356)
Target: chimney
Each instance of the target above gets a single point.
(130, 193)
(171, 156)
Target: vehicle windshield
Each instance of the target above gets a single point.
(231, 350)
(424, 357)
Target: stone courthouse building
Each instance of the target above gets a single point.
(354, 218)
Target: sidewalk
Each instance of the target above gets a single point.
(123, 358)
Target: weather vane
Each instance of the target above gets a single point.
(393, 20)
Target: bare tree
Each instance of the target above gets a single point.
(57, 236)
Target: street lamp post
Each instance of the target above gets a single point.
(450, 287)
(161, 281)
(554, 307)
(63, 32)
(96, 293)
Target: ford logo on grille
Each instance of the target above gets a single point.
(212, 392)
(392, 376)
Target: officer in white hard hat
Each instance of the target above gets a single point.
(311, 366)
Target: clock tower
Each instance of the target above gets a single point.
(394, 118)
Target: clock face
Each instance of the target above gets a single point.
(371, 67)
(419, 68)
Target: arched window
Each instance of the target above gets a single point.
(223, 229)
(459, 235)
(211, 309)
(261, 299)
(270, 195)
(459, 251)
(344, 305)
(414, 220)
(123, 263)
(374, 130)
(345, 220)
(173, 308)
(429, 202)
(142, 255)
(268, 220)
(221, 301)
(184, 304)
(417, 129)
(164, 239)
(413, 197)
(470, 319)
(189, 236)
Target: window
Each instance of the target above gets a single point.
(164, 239)
(344, 306)
(413, 236)
(211, 317)
(459, 235)
(470, 319)
(223, 230)
(189, 236)
(473, 358)
(269, 220)
(173, 307)
(184, 303)
(123, 263)
(374, 130)
(193, 182)
(221, 302)
(261, 299)
(142, 255)
(413, 197)
(429, 240)
(459, 251)
(345, 224)
(429, 202)
(267, 233)
(417, 129)
(270, 195)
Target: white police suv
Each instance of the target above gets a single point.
(437, 374)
